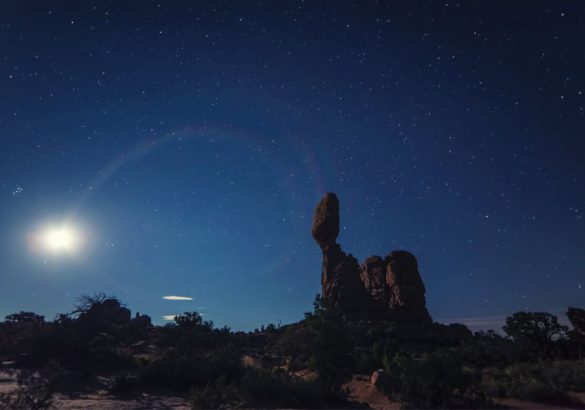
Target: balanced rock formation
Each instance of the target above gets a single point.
(389, 288)
(326, 221)
(340, 279)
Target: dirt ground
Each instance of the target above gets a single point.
(100, 400)
(362, 391)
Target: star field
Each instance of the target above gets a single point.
(190, 142)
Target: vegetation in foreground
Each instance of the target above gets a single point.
(303, 365)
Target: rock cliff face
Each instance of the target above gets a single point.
(407, 290)
(389, 288)
(373, 275)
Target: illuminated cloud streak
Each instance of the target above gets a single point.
(496, 322)
(177, 298)
(483, 322)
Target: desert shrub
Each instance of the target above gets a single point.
(64, 341)
(275, 389)
(35, 388)
(33, 393)
(537, 333)
(294, 345)
(217, 394)
(189, 332)
(265, 389)
(96, 333)
(21, 336)
(488, 349)
(195, 354)
(364, 361)
(437, 380)
(330, 347)
(76, 345)
(544, 380)
(123, 384)
(572, 348)
(417, 339)
(182, 371)
(570, 375)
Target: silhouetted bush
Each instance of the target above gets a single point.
(183, 371)
(124, 384)
(21, 337)
(437, 380)
(536, 332)
(426, 364)
(266, 389)
(415, 339)
(189, 332)
(217, 394)
(35, 389)
(193, 354)
(275, 389)
(544, 380)
(488, 349)
(331, 350)
(293, 347)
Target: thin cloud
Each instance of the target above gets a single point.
(479, 323)
(496, 322)
(177, 298)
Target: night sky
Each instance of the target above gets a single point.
(186, 144)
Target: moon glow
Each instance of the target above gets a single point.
(60, 240)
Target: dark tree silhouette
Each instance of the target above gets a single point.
(25, 317)
(85, 302)
(536, 329)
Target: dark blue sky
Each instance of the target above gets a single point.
(188, 143)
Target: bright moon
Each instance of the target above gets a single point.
(64, 239)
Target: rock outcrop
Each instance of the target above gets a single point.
(373, 274)
(577, 318)
(379, 378)
(389, 288)
(107, 312)
(341, 286)
(407, 290)
(326, 221)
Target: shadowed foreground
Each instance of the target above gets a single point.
(101, 357)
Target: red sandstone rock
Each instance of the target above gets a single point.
(341, 284)
(373, 274)
(407, 290)
(378, 377)
(326, 220)
(379, 289)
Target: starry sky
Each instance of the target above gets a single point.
(189, 142)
